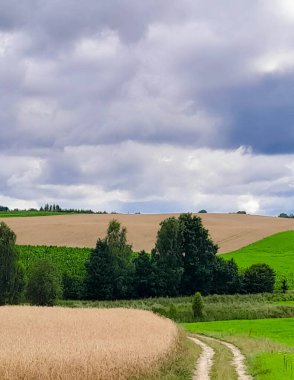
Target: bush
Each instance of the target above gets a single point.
(197, 305)
(226, 278)
(259, 278)
(73, 287)
(44, 285)
(284, 286)
(172, 312)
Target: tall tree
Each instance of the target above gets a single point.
(100, 269)
(198, 252)
(144, 276)
(167, 258)
(11, 273)
(226, 277)
(121, 251)
(110, 268)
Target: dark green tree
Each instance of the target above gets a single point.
(11, 272)
(167, 258)
(259, 278)
(226, 278)
(199, 254)
(143, 276)
(44, 284)
(100, 269)
(122, 254)
(73, 287)
(110, 269)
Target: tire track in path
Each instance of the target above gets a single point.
(205, 361)
(238, 361)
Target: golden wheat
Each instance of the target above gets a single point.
(81, 344)
(229, 231)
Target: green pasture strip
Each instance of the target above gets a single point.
(279, 329)
(24, 214)
(69, 261)
(273, 366)
(276, 250)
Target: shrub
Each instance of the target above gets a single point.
(197, 305)
(73, 287)
(226, 278)
(172, 312)
(44, 285)
(259, 278)
(159, 309)
(284, 286)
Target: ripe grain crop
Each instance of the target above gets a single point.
(82, 344)
(229, 231)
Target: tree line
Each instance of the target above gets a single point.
(183, 261)
(55, 208)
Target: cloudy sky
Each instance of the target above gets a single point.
(150, 106)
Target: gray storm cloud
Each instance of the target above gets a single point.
(144, 106)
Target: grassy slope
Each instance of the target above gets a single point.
(279, 330)
(268, 344)
(276, 250)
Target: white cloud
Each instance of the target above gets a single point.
(104, 111)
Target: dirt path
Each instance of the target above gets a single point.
(238, 361)
(205, 361)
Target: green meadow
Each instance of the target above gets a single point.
(27, 213)
(278, 329)
(268, 344)
(276, 250)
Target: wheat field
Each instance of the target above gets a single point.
(42, 343)
(229, 231)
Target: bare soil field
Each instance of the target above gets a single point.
(229, 231)
(81, 344)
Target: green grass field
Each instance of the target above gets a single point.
(279, 329)
(276, 250)
(268, 343)
(27, 213)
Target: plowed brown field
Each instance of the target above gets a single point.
(229, 231)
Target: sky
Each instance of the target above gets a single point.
(147, 106)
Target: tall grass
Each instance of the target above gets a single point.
(82, 344)
(216, 307)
